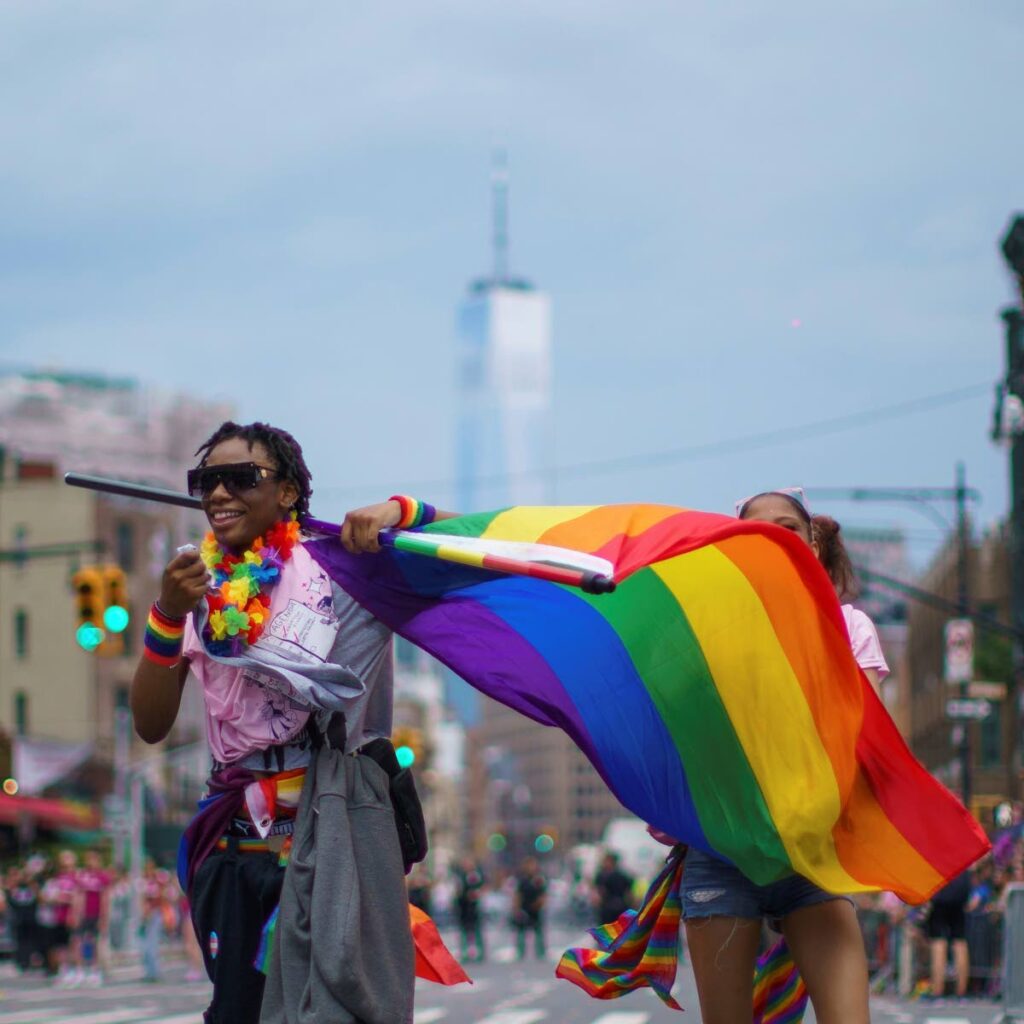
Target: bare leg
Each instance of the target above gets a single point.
(723, 951)
(961, 961)
(827, 945)
(939, 954)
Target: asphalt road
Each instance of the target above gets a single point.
(504, 992)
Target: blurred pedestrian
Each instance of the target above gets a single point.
(153, 897)
(419, 885)
(612, 889)
(90, 917)
(120, 899)
(528, 907)
(470, 882)
(58, 895)
(946, 926)
(982, 928)
(22, 894)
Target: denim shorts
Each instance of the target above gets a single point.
(713, 888)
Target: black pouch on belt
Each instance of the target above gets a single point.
(405, 801)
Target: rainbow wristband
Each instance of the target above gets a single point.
(414, 512)
(165, 635)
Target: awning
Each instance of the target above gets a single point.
(39, 763)
(46, 813)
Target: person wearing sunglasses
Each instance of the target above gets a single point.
(295, 675)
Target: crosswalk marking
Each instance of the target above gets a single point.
(39, 995)
(622, 1018)
(25, 1016)
(947, 1020)
(514, 1017)
(141, 1013)
(428, 1016)
(178, 1018)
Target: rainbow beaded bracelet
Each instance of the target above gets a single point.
(414, 512)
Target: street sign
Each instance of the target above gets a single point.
(968, 707)
(990, 691)
(959, 651)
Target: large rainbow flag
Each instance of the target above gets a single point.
(714, 691)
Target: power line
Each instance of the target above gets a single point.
(937, 601)
(731, 446)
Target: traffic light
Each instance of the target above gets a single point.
(115, 599)
(88, 587)
(115, 611)
(408, 744)
(544, 843)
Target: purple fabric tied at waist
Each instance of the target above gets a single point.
(216, 812)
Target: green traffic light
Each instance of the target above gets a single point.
(89, 637)
(544, 843)
(115, 618)
(496, 842)
(406, 756)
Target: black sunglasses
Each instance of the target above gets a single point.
(236, 478)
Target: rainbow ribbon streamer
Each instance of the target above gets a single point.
(780, 995)
(639, 949)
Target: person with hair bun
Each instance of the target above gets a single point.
(724, 910)
(832, 554)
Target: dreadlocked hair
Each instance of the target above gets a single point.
(280, 445)
(834, 556)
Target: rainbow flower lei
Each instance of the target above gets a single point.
(239, 603)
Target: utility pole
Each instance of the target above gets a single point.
(1009, 428)
(923, 499)
(964, 610)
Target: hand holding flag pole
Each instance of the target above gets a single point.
(538, 561)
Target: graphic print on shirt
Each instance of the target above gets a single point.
(284, 716)
(301, 634)
(307, 628)
(304, 631)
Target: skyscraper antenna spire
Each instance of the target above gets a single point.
(499, 214)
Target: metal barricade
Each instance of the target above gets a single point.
(1013, 952)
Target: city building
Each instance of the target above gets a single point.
(527, 780)
(106, 426)
(933, 735)
(504, 428)
(435, 742)
(55, 697)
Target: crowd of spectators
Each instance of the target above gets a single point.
(69, 916)
(952, 946)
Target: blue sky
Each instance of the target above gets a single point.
(283, 204)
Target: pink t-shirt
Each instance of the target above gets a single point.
(92, 884)
(60, 891)
(243, 715)
(867, 651)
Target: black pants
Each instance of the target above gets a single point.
(232, 896)
(535, 924)
(26, 943)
